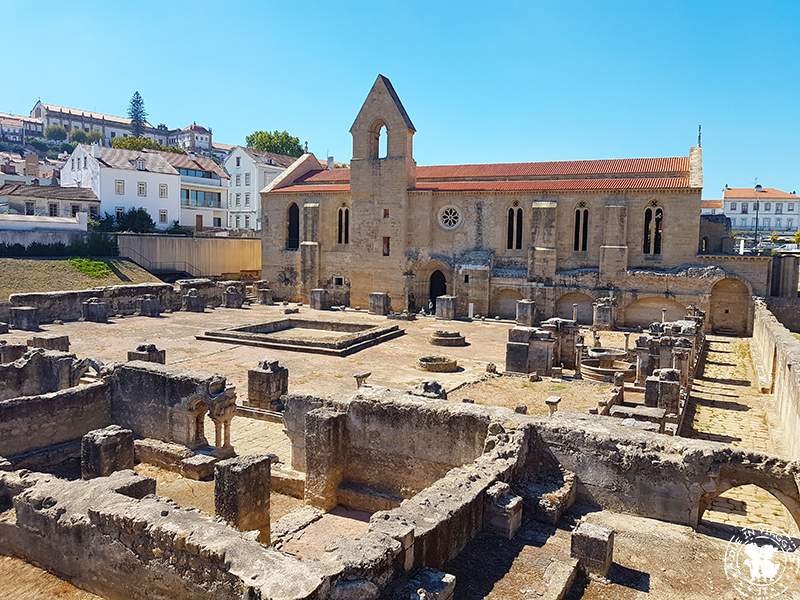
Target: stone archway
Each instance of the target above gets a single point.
(504, 303)
(642, 312)
(437, 286)
(730, 307)
(584, 302)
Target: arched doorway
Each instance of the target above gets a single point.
(437, 287)
(644, 311)
(749, 504)
(730, 307)
(504, 303)
(584, 302)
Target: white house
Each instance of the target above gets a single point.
(250, 171)
(762, 210)
(125, 179)
(711, 207)
(203, 190)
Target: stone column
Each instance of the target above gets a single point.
(526, 313)
(575, 312)
(627, 337)
(446, 307)
(326, 445)
(642, 364)
(663, 315)
(680, 362)
(241, 493)
(222, 417)
(318, 299)
(379, 303)
(578, 360)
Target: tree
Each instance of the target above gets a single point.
(55, 132)
(79, 136)
(276, 141)
(95, 136)
(137, 114)
(143, 143)
(40, 145)
(773, 237)
(797, 237)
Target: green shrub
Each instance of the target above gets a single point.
(91, 267)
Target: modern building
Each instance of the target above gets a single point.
(47, 201)
(126, 179)
(760, 211)
(203, 191)
(711, 207)
(563, 233)
(250, 172)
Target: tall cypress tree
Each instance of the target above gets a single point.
(137, 114)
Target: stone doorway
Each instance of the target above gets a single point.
(730, 306)
(437, 286)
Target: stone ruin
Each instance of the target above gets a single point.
(148, 353)
(148, 305)
(447, 338)
(94, 310)
(379, 303)
(266, 384)
(193, 301)
(541, 349)
(232, 297)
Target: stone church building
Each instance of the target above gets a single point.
(559, 233)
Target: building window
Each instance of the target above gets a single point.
(238, 199)
(29, 208)
(141, 189)
(766, 222)
(119, 187)
(755, 206)
(449, 217)
(581, 228)
(338, 280)
(385, 213)
(514, 228)
(247, 221)
(93, 211)
(247, 198)
(238, 161)
(744, 208)
(767, 206)
(217, 221)
(84, 162)
(238, 221)
(466, 278)
(247, 178)
(52, 209)
(293, 228)
(162, 215)
(733, 205)
(238, 180)
(72, 163)
(119, 212)
(343, 226)
(789, 223)
(778, 208)
(777, 222)
(140, 164)
(162, 190)
(790, 207)
(75, 209)
(387, 246)
(653, 227)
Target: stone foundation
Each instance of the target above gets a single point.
(104, 451)
(241, 493)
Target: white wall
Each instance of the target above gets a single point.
(260, 176)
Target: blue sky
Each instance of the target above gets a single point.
(482, 81)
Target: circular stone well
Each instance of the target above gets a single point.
(447, 338)
(604, 363)
(437, 364)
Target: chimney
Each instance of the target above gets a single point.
(330, 163)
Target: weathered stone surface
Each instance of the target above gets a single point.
(106, 450)
(266, 384)
(3, 327)
(50, 341)
(148, 353)
(241, 492)
(526, 313)
(503, 513)
(593, 546)
(193, 301)
(446, 307)
(94, 310)
(232, 297)
(319, 299)
(24, 317)
(148, 305)
(379, 303)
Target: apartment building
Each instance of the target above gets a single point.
(762, 210)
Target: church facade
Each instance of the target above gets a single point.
(560, 233)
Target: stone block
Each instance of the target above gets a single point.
(24, 317)
(106, 450)
(192, 301)
(199, 467)
(446, 307)
(318, 299)
(266, 384)
(325, 440)
(379, 303)
(526, 312)
(241, 493)
(521, 334)
(232, 297)
(264, 295)
(148, 306)
(502, 510)
(435, 585)
(640, 413)
(3, 327)
(517, 357)
(593, 547)
(148, 353)
(94, 310)
(50, 341)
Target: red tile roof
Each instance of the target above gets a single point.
(612, 174)
(752, 194)
(711, 204)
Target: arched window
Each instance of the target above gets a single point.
(514, 228)
(703, 245)
(293, 229)
(379, 140)
(343, 226)
(653, 227)
(580, 239)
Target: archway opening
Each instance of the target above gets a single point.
(730, 307)
(749, 506)
(644, 311)
(437, 287)
(584, 302)
(383, 142)
(504, 303)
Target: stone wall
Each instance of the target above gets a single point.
(33, 422)
(776, 357)
(37, 372)
(787, 311)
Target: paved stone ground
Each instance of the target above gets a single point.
(252, 436)
(20, 580)
(726, 407)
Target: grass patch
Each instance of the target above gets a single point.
(96, 269)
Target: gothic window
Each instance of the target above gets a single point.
(379, 140)
(293, 229)
(653, 228)
(514, 228)
(449, 217)
(580, 238)
(343, 226)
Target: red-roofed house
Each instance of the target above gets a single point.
(763, 210)
(562, 233)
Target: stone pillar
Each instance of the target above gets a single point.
(326, 444)
(502, 512)
(663, 315)
(526, 313)
(446, 307)
(680, 362)
(24, 317)
(318, 299)
(266, 384)
(49, 341)
(222, 415)
(148, 306)
(11, 352)
(232, 297)
(627, 337)
(663, 390)
(578, 360)
(604, 313)
(643, 366)
(575, 312)
(593, 546)
(552, 403)
(379, 303)
(94, 310)
(619, 383)
(241, 493)
(104, 451)
(193, 301)
(148, 353)
(264, 296)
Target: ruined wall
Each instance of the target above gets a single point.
(776, 357)
(37, 372)
(33, 422)
(787, 311)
